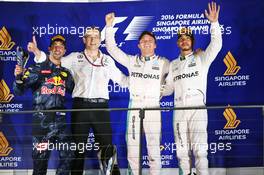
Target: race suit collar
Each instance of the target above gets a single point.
(51, 64)
(182, 58)
(144, 59)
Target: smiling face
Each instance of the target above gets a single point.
(185, 39)
(185, 43)
(92, 39)
(147, 45)
(57, 50)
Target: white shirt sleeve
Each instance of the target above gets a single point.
(215, 45)
(68, 60)
(42, 58)
(120, 56)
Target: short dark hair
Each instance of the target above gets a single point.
(147, 33)
(58, 38)
(185, 31)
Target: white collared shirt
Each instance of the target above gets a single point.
(91, 77)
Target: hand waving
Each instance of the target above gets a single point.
(213, 14)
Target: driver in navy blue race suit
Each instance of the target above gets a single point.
(49, 83)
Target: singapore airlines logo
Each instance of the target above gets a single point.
(230, 77)
(231, 64)
(231, 118)
(5, 95)
(5, 40)
(4, 146)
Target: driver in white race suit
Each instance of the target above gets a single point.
(188, 79)
(146, 74)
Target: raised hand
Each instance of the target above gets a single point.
(109, 19)
(213, 10)
(33, 47)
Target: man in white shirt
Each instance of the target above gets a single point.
(91, 71)
(188, 79)
(146, 74)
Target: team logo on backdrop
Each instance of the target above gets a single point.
(230, 77)
(7, 53)
(6, 42)
(232, 130)
(6, 97)
(231, 64)
(137, 25)
(5, 149)
(5, 94)
(133, 30)
(231, 119)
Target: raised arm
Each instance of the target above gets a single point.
(111, 47)
(41, 58)
(216, 37)
(33, 48)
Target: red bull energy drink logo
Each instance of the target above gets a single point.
(56, 81)
(58, 86)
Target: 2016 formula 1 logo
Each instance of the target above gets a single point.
(134, 29)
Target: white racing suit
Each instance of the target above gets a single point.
(145, 79)
(188, 79)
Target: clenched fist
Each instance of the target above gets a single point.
(109, 19)
(33, 47)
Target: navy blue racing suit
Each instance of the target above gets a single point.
(49, 84)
